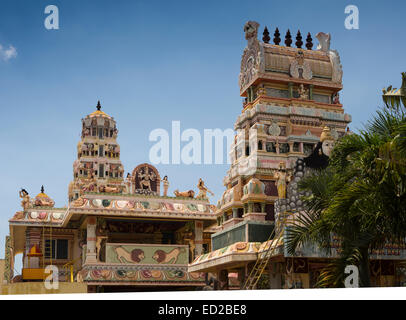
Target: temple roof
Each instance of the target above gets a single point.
(98, 112)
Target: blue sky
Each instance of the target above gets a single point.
(151, 62)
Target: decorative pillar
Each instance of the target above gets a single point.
(9, 262)
(290, 146)
(290, 89)
(32, 238)
(235, 212)
(250, 207)
(263, 207)
(311, 91)
(301, 147)
(198, 238)
(91, 256)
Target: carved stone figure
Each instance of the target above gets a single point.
(336, 98)
(44, 203)
(146, 178)
(252, 60)
(88, 187)
(165, 183)
(189, 238)
(185, 194)
(303, 92)
(299, 68)
(251, 32)
(282, 179)
(202, 190)
(25, 203)
(107, 189)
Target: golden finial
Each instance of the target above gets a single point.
(326, 134)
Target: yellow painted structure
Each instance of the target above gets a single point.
(39, 288)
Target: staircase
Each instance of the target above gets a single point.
(264, 257)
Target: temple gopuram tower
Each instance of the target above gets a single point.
(98, 167)
(290, 95)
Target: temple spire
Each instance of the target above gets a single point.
(42, 189)
(309, 42)
(277, 36)
(266, 38)
(288, 39)
(299, 42)
(98, 105)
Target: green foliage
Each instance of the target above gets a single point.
(360, 197)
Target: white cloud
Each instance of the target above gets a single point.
(7, 54)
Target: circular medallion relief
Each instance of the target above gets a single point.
(274, 129)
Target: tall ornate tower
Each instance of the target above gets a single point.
(290, 95)
(98, 167)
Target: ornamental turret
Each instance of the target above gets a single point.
(98, 167)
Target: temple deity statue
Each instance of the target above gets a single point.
(146, 178)
(202, 190)
(303, 92)
(165, 183)
(25, 203)
(282, 179)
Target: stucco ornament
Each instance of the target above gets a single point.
(252, 59)
(299, 68)
(274, 130)
(324, 46)
(303, 92)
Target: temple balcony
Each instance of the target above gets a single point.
(140, 264)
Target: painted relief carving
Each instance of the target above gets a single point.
(274, 129)
(146, 179)
(185, 194)
(146, 254)
(299, 68)
(171, 257)
(303, 92)
(107, 189)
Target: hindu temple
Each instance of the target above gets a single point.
(290, 120)
(118, 233)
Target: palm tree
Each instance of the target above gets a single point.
(360, 197)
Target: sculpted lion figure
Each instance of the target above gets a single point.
(135, 256)
(186, 194)
(171, 257)
(108, 189)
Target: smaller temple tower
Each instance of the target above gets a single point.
(98, 167)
